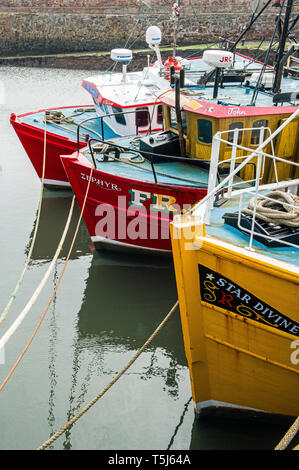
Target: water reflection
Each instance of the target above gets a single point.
(53, 335)
(54, 213)
(125, 298)
(225, 433)
(124, 301)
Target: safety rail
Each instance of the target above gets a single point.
(148, 156)
(101, 118)
(203, 208)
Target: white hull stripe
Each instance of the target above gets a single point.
(221, 404)
(57, 183)
(98, 239)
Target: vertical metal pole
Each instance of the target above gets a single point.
(179, 115)
(257, 185)
(278, 74)
(212, 173)
(233, 161)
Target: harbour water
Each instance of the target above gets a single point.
(106, 307)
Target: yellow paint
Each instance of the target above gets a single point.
(232, 358)
(286, 147)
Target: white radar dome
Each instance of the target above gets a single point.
(218, 58)
(121, 55)
(153, 35)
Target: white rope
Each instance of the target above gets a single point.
(266, 208)
(6, 337)
(28, 259)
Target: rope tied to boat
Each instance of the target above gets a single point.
(283, 208)
(289, 436)
(5, 338)
(64, 428)
(28, 259)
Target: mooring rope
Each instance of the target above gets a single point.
(266, 208)
(17, 323)
(288, 437)
(64, 428)
(28, 259)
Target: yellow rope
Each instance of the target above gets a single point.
(64, 428)
(288, 437)
(18, 285)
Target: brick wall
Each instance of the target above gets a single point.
(59, 26)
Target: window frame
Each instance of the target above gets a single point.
(210, 136)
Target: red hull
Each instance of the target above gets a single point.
(125, 213)
(32, 139)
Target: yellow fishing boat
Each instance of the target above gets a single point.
(236, 258)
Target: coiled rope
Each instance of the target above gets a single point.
(64, 428)
(288, 437)
(56, 118)
(28, 259)
(21, 317)
(267, 209)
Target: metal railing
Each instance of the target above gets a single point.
(102, 129)
(150, 157)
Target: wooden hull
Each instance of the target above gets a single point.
(240, 321)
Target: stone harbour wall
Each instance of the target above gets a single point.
(30, 27)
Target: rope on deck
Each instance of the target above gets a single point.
(20, 318)
(28, 259)
(288, 437)
(64, 428)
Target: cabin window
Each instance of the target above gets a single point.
(120, 118)
(235, 125)
(142, 117)
(204, 127)
(255, 135)
(160, 114)
(174, 121)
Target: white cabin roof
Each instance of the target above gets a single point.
(131, 89)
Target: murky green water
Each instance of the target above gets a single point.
(106, 307)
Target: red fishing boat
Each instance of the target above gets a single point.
(61, 130)
(135, 186)
(112, 95)
(130, 202)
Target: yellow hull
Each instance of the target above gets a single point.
(240, 321)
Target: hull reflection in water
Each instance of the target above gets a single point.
(55, 207)
(124, 300)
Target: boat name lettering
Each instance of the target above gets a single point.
(235, 112)
(161, 202)
(104, 184)
(222, 292)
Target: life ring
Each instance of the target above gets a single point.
(171, 62)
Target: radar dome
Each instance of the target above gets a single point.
(153, 35)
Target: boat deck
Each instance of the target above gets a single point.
(172, 173)
(67, 127)
(234, 93)
(135, 167)
(222, 231)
